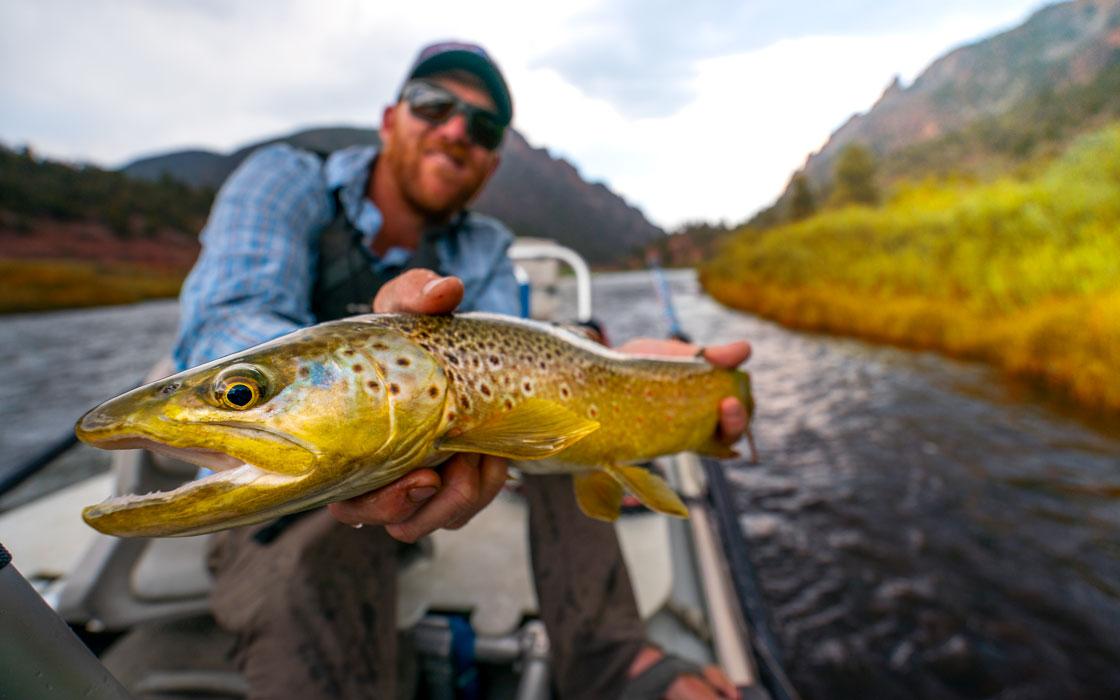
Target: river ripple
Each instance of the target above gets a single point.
(919, 531)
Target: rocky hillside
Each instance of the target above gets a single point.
(534, 193)
(1059, 65)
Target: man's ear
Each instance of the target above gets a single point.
(493, 166)
(388, 119)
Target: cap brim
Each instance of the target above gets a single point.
(475, 65)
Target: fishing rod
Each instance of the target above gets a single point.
(735, 545)
(665, 296)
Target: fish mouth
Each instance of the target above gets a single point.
(198, 455)
(214, 460)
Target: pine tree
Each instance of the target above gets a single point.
(802, 204)
(854, 177)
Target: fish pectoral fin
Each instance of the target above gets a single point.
(534, 429)
(650, 489)
(599, 495)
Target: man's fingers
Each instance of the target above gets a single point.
(394, 503)
(732, 420)
(691, 687)
(492, 475)
(654, 346)
(728, 355)
(419, 291)
(719, 680)
(457, 499)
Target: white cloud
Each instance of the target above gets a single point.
(106, 82)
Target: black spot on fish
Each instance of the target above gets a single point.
(357, 368)
(372, 384)
(394, 388)
(349, 352)
(509, 404)
(494, 361)
(380, 346)
(485, 389)
(452, 358)
(304, 372)
(403, 362)
(433, 391)
(564, 391)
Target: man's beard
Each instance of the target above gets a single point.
(407, 169)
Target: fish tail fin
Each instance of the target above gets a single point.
(650, 489)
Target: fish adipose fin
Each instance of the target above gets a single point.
(534, 429)
(650, 489)
(599, 495)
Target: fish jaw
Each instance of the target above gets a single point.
(239, 496)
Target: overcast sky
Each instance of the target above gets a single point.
(694, 110)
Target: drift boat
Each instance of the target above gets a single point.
(692, 581)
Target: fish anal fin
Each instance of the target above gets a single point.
(598, 494)
(650, 489)
(533, 429)
(715, 448)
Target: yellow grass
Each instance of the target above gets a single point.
(1021, 273)
(40, 285)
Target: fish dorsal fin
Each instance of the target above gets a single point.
(650, 489)
(599, 495)
(533, 429)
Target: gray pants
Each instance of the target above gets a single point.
(314, 608)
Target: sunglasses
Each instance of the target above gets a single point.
(435, 105)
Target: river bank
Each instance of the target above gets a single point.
(1020, 273)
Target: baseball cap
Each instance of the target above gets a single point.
(457, 55)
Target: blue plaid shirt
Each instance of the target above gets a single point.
(253, 280)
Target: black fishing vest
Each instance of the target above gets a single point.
(346, 279)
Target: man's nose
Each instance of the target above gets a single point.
(455, 128)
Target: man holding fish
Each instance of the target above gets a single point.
(294, 240)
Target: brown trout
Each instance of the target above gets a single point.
(337, 409)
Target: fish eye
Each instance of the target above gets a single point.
(239, 388)
(240, 395)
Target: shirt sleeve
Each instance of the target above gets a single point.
(252, 281)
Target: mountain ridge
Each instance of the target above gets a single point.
(534, 193)
(1058, 47)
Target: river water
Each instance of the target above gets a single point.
(919, 529)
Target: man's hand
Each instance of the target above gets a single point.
(426, 500)
(714, 685)
(732, 414)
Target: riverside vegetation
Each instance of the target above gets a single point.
(78, 235)
(1022, 271)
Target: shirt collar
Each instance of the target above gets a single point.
(348, 170)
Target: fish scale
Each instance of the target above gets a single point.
(347, 406)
